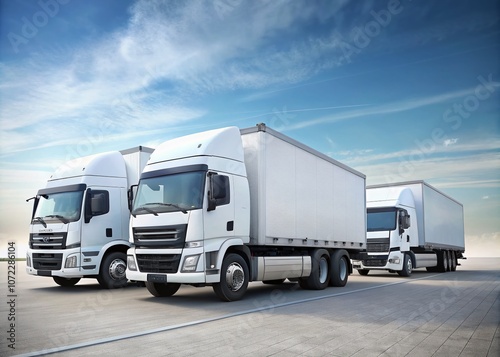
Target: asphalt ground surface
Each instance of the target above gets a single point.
(382, 314)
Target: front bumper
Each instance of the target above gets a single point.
(391, 261)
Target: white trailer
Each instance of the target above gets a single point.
(225, 207)
(80, 221)
(412, 225)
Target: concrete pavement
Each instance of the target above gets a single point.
(429, 314)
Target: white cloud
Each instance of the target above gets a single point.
(483, 245)
(475, 170)
(415, 154)
(449, 142)
(138, 77)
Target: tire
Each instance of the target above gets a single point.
(112, 274)
(320, 271)
(339, 268)
(162, 290)
(65, 281)
(363, 272)
(442, 261)
(448, 254)
(233, 279)
(453, 258)
(407, 266)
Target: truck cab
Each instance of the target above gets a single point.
(79, 224)
(192, 202)
(391, 231)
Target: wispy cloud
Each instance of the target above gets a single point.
(362, 156)
(389, 108)
(478, 170)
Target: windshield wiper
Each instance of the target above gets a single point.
(175, 205)
(61, 218)
(40, 219)
(143, 208)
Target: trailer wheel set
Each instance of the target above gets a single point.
(447, 261)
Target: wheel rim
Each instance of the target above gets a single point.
(323, 270)
(235, 276)
(409, 266)
(342, 269)
(117, 269)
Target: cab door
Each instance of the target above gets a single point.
(219, 217)
(404, 224)
(102, 224)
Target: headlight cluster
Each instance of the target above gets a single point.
(71, 262)
(131, 263)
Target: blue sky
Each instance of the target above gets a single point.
(399, 90)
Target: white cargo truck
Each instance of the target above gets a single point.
(412, 225)
(80, 221)
(225, 207)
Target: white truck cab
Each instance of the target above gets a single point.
(79, 225)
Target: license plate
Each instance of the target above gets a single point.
(157, 278)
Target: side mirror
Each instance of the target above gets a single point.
(97, 204)
(219, 186)
(218, 194)
(130, 196)
(404, 221)
(88, 206)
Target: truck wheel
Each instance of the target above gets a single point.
(339, 268)
(442, 261)
(234, 278)
(65, 281)
(320, 271)
(453, 266)
(407, 266)
(363, 272)
(112, 274)
(162, 290)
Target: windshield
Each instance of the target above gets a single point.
(61, 206)
(176, 192)
(381, 219)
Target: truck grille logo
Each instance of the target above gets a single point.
(46, 239)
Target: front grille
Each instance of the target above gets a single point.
(377, 245)
(158, 263)
(47, 261)
(375, 262)
(160, 237)
(48, 240)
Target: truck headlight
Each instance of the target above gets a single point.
(70, 262)
(190, 263)
(28, 260)
(131, 263)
